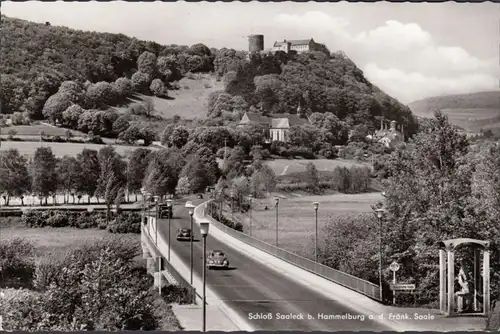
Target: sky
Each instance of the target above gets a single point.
(409, 50)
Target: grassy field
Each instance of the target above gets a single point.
(61, 149)
(296, 219)
(285, 166)
(189, 102)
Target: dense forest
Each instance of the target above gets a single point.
(70, 76)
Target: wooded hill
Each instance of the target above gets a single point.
(38, 58)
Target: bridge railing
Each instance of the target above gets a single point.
(181, 281)
(354, 283)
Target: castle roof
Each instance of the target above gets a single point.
(294, 42)
(277, 121)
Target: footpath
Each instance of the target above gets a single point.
(219, 316)
(391, 316)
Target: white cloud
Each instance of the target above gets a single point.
(411, 86)
(395, 35)
(401, 58)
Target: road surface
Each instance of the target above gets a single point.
(253, 289)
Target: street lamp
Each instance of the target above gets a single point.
(170, 212)
(191, 207)
(316, 206)
(156, 198)
(277, 202)
(250, 202)
(380, 215)
(143, 192)
(232, 204)
(204, 232)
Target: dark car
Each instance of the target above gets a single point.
(217, 259)
(184, 234)
(165, 211)
(200, 196)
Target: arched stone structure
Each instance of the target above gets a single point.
(447, 270)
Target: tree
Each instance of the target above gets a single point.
(121, 124)
(112, 178)
(183, 186)
(14, 176)
(165, 64)
(56, 105)
(88, 171)
(194, 171)
(71, 116)
(123, 86)
(136, 169)
(43, 173)
(74, 90)
(100, 94)
(146, 63)
(157, 87)
(429, 199)
(67, 172)
(263, 180)
(179, 137)
(312, 177)
(163, 172)
(141, 81)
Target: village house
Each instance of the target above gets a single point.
(277, 126)
(389, 137)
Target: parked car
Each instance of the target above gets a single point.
(217, 259)
(200, 196)
(184, 234)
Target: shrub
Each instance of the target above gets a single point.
(16, 263)
(175, 294)
(126, 222)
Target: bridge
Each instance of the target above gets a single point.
(254, 286)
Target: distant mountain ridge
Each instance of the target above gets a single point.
(473, 112)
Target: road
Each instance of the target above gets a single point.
(250, 287)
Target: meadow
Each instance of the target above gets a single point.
(188, 102)
(296, 217)
(62, 149)
(285, 166)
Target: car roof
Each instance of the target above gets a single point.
(217, 251)
(185, 229)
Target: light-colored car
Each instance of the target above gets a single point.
(217, 259)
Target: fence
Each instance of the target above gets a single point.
(184, 284)
(354, 283)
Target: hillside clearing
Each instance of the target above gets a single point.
(61, 149)
(189, 102)
(36, 129)
(296, 220)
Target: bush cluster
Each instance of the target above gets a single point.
(223, 220)
(124, 222)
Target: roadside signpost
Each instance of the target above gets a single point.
(394, 266)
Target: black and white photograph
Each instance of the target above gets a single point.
(249, 166)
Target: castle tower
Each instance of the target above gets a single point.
(255, 43)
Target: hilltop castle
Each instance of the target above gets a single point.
(256, 45)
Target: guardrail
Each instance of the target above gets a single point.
(354, 283)
(183, 283)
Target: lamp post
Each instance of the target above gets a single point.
(316, 206)
(143, 192)
(156, 198)
(170, 213)
(232, 204)
(250, 197)
(380, 215)
(204, 232)
(191, 207)
(277, 202)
